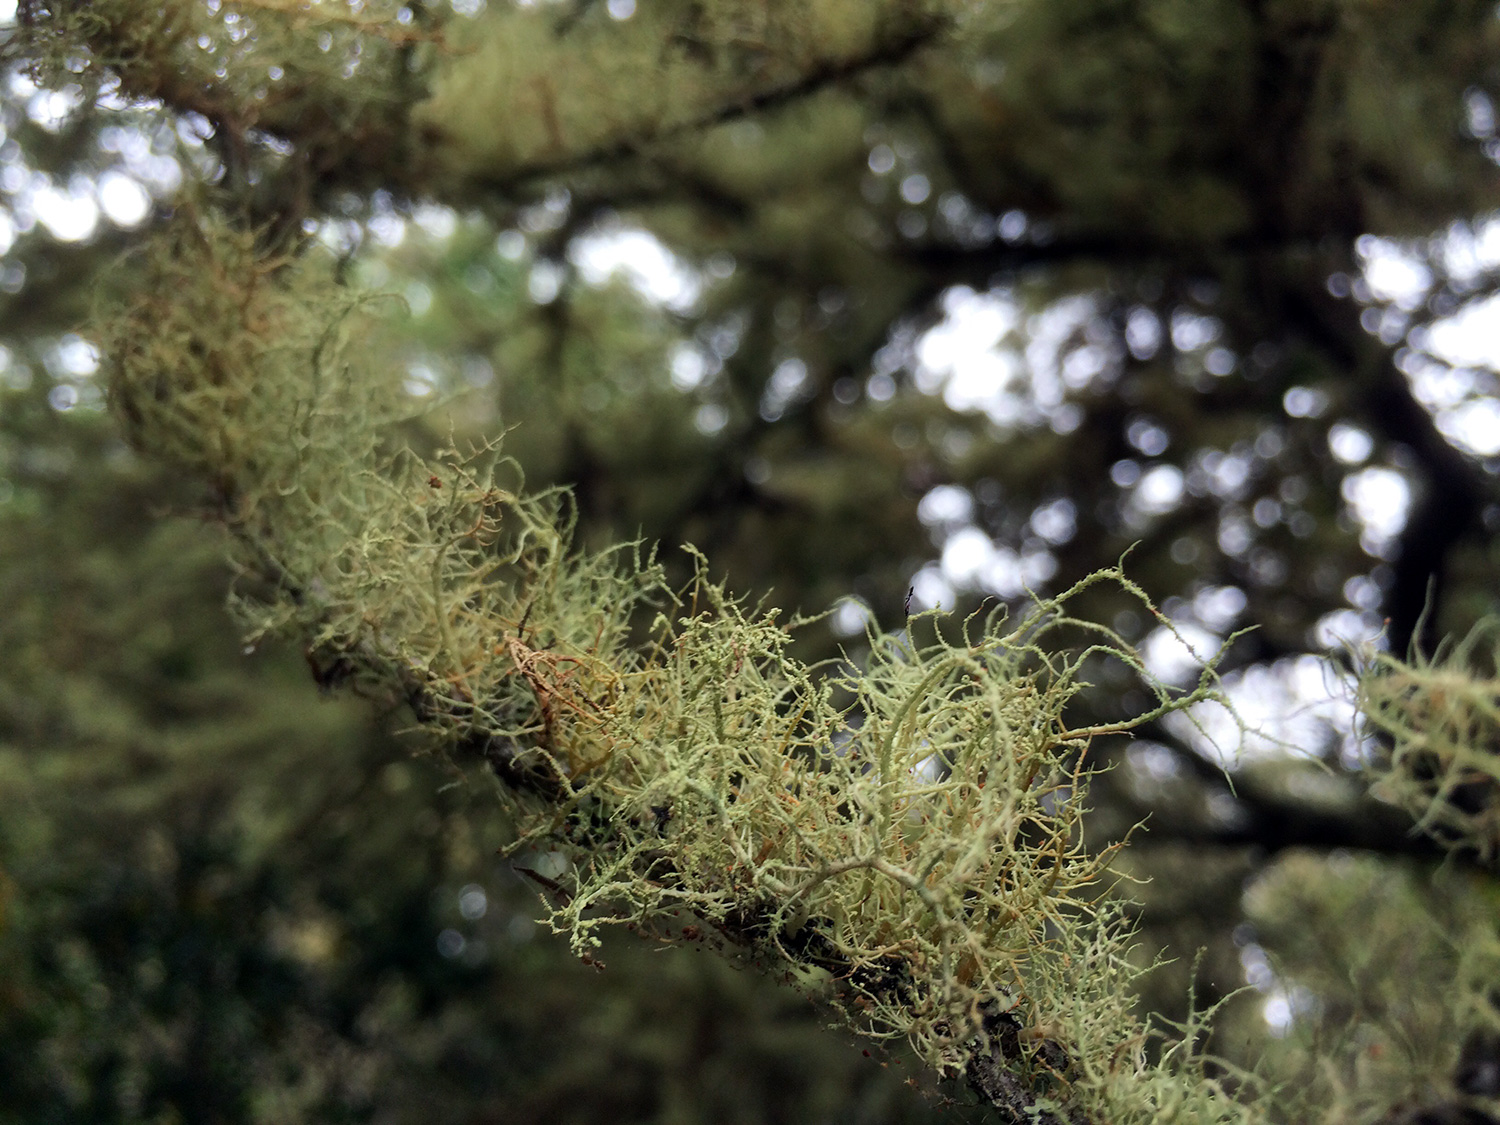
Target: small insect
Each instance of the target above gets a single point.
(906, 605)
(433, 482)
(662, 813)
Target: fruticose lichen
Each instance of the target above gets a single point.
(1439, 718)
(902, 837)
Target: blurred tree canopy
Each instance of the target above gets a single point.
(883, 305)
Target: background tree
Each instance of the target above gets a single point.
(1009, 286)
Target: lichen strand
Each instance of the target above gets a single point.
(1439, 720)
(903, 837)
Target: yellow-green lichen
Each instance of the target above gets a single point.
(903, 836)
(1439, 719)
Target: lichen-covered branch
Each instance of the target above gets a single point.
(902, 837)
(406, 95)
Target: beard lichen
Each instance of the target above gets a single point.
(902, 838)
(1439, 720)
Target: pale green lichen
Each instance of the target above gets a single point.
(903, 837)
(1439, 721)
(578, 88)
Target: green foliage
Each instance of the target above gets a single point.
(1163, 118)
(1383, 1008)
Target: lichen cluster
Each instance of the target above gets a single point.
(902, 836)
(685, 64)
(339, 74)
(1439, 721)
